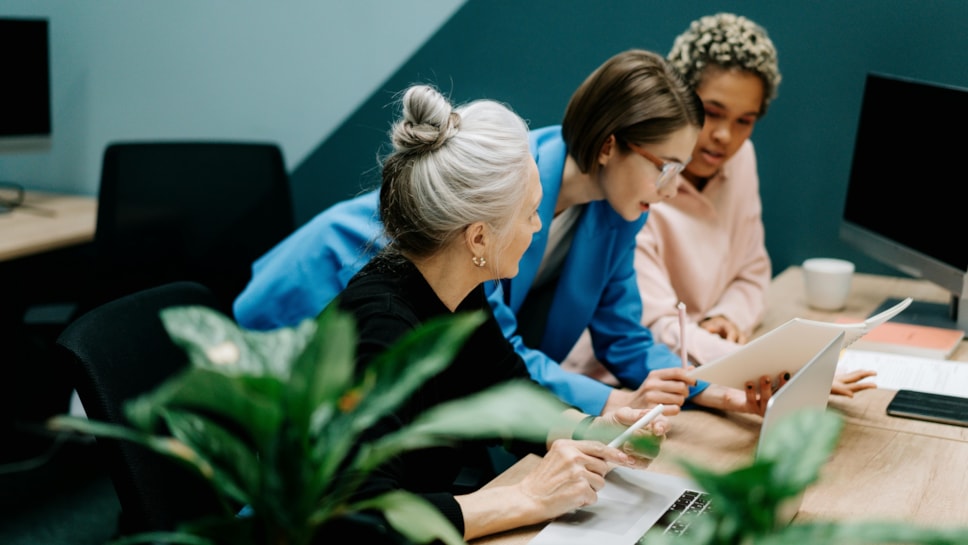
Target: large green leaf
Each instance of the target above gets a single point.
(517, 409)
(744, 494)
(323, 372)
(812, 435)
(396, 373)
(213, 340)
(165, 445)
(237, 470)
(413, 517)
(391, 378)
(252, 403)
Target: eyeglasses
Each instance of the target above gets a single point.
(667, 169)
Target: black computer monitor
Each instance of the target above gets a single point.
(25, 110)
(904, 203)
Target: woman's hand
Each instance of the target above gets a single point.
(669, 386)
(753, 399)
(608, 426)
(847, 384)
(567, 478)
(626, 416)
(722, 326)
(570, 475)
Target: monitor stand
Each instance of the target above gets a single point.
(921, 313)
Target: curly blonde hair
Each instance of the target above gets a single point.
(729, 41)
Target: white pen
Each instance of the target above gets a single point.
(682, 334)
(639, 424)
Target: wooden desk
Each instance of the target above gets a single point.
(882, 468)
(48, 221)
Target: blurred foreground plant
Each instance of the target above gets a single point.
(273, 420)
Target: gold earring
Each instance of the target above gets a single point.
(479, 261)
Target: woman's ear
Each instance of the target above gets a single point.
(476, 238)
(608, 150)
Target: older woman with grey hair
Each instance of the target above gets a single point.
(459, 206)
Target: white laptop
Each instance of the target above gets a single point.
(634, 502)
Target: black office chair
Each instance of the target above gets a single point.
(167, 211)
(114, 353)
(201, 211)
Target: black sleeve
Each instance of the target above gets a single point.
(392, 476)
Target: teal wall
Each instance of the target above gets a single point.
(319, 76)
(533, 54)
(289, 72)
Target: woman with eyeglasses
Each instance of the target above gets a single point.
(706, 246)
(627, 132)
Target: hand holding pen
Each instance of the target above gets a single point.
(643, 448)
(646, 419)
(572, 473)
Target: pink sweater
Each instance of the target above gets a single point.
(706, 249)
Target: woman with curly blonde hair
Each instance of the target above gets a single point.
(706, 247)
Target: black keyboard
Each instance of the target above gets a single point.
(931, 407)
(676, 519)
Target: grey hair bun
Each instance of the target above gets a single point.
(428, 121)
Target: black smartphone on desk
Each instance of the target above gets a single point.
(944, 409)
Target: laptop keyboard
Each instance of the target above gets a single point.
(676, 519)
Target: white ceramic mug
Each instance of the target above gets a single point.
(827, 282)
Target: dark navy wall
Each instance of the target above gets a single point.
(533, 54)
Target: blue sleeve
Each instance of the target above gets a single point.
(619, 339)
(297, 278)
(578, 390)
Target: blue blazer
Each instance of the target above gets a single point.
(297, 278)
(596, 290)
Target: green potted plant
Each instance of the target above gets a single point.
(272, 420)
(749, 499)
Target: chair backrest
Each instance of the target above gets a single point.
(114, 353)
(193, 210)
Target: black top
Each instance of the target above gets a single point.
(389, 298)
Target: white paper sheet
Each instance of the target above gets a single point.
(897, 371)
(785, 348)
